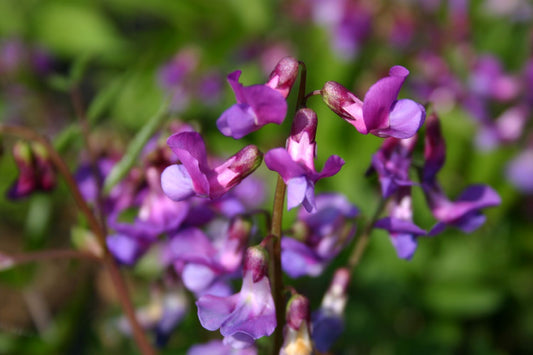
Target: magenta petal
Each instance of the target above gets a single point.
(279, 160)
(378, 101)
(396, 225)
(296, 191)
(190, 142)
(213, 311)
(237, 121)
(190, 149)
(398, 71)
(233, 80)
(472, 199)
(176, 183)
(405, 118)
(332, 166)
(268, 104)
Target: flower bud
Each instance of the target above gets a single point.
(435, 148)
(256, 262)
(297, 340)
(337, 97)
(239, 166)
(297, 311)
(284, 75)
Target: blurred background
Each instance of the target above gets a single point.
(471, 59)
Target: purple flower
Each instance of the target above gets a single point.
(463, 213)
(520, 170)
(320, 236)
(392, 162)
(157, 213)
(203, 262)
(489, 80)
(194, 176)
(247, 315)
(402, 231)
(258, 105)
(36, 172)
(296, 163)
(127, 249)
(217, 347)
(328, 320)
(380, 113)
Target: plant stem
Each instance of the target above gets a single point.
(109, 261)
(84, 123)
(275, 264)
(362, 242)
(276, 274)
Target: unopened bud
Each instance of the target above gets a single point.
(284, 75)
(337, 97)
(256, 262)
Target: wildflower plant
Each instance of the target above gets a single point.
(255, 244)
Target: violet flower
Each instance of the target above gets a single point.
(247, 315)
(520, 170)
(157, 213)
(328, 320)
(194, 176)
(465, 212)
(392, 162)
(402, 231)
(296, 163)
(319, 236)
(258, 105)
(36, 172)
(203, 262)
(381, 113)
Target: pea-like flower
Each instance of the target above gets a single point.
(258, 105)
(465, 212)
(381, 113)
(194, 176)
(318, 237)
(247, 315)
(36, 172)
(296, 164)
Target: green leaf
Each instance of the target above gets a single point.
(103, 100)
(134, 149)
(73, 30)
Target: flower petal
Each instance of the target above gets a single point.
(296, 191)
(177, 183)
(279, 160)
(405, 118)
(379, 99)
(237, 121)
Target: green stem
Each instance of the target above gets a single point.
(276, 274)
(362, 241)
(275, 264)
